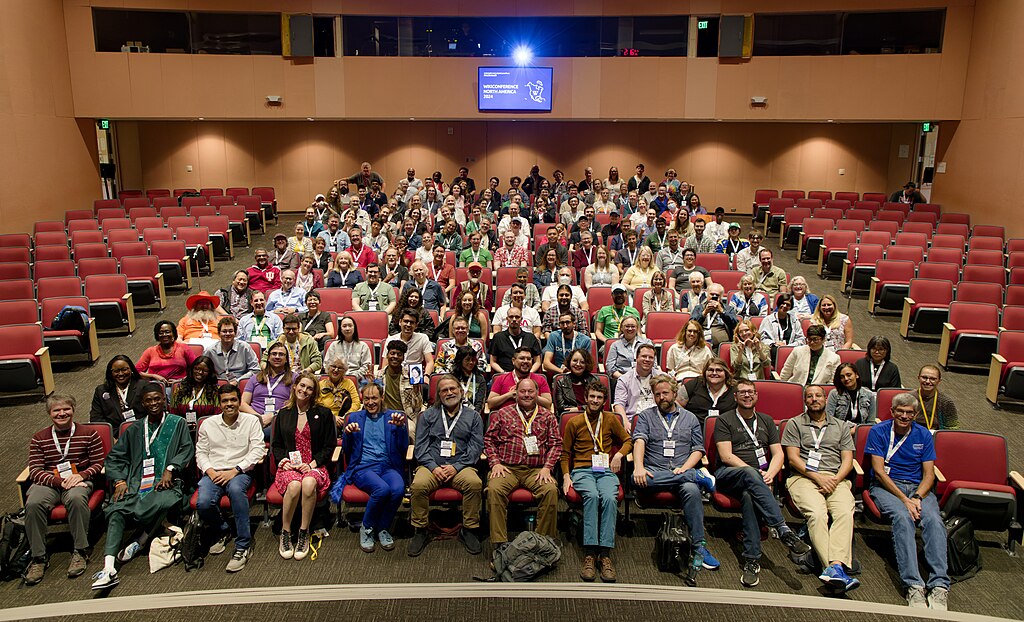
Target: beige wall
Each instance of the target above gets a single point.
(727, 161)
(48, 159)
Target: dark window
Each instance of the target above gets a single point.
(707, 37)
(661, 35)
(797, 34)
(370, 36)
(162, 31)
(236, 33)
(901, 32)
(323, 36)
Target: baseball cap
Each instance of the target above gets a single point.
(618, 288)
(735, 225)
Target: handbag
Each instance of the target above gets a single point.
(163, 551)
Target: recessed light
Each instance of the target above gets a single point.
(310, 119)
(202, 118)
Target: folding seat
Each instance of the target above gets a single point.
(912, 239)
(957, 218)
(859, 265)
(336, 299)
(83, 227)
(1014, 245)
(820, 195)
(792, 224)
(99, 204)
(156, 233)
(172, 211)
(924, 218)
(123, 195)
(905, 253)
(1016, 276)
(860, 214)
(68, 343)
(220, 234)
(119, 236)
(811, 236)
(161, 202)
(891, 216)
(268, 201)
(373, 323)
(923, 228)
(597, 297)
(875, 230)
(13, 270)
(120, 250)
(17, 289)
(136, 213)
(988, 293)
(149, 222)
(953, 228)
(986, 243)
(507, 276)
(47, 269)
(1014, 296)
(663, 325)
(19, 240)
(18, 254)
(108, 213)
(91, 250)
(926, 307)
(145, 281)
(154, 193)
(851, 197)
(47, 225)
(198, 211)
(211, 192)
(890, 206)
(177, 192)
(761, 198)
(110, 303)
(50, 238)
(52, 252)
(776, 212)
(78, 214)
(969, 336)
(1012, 318)
(811, 204)
(890, 284)
(946, 254)
(939, 270)
(870, 205)
(177, 222)
(833, 250)
(712, 261)
(254, 212)
(236, 191)
(832, 213)
(18, 311)
(24, 360)
(875, 197)
(984, 274)
(221, 201)
(53, 287)
(778, 399)
(728, 279)
(174, 263)
(238, 222)
(187, 203)
(96, 265)
(111, 224)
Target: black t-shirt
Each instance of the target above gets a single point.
(502, 347)
(729, 428)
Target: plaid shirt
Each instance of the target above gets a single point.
(550, 321)
(503, 442)
(518, 256)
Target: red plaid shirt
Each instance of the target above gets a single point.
(503, 442)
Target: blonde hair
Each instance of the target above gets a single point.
(817, 318)
(681, 335)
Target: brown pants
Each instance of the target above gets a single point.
(498, 490)
(466, 481)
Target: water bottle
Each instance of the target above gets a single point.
(531, 522)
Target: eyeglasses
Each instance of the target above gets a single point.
(746, 392)
(715, 370)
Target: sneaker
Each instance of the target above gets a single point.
(705, 480)
(302, 546)
(607, 570)
(366, 541)
(470, 541)
(77, 566)
(795, 545)
(751, 573)
(419, 541)
(835, 576)
(105, 579)
(386, 541)
(35, 571)
(285, 547)
(707, 559)
(238, 559)
(588, 571)
(129, 552)
(937, 598)
(916, 597)
(219, 546)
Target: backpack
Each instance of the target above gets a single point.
(71, 318)
(962, 552)
(673, 548)
(525, 558)
(14, 551)
(190, 547)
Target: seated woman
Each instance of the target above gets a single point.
(468, 308)
(145, 467)
(315, 322)
(375, 444)
(196, 397)
(338, 393)
(412, 299)
(838, 326)
(876, 369)
(571, 388)
(303, 441)
(119, 397)
(688, 355)
(305, 278)
(602, 272)
(640, 274)
(169, 359)
(851, 401)
(747, 301)
(711, 393)
(546, 271)
(659, 297)
(694, 296)
(782, 328)
(321, 258)
(804, 302)
(353, 353)
(267, 392)
(444, 362)
(750, 357)
(466, 368)
(344, 273)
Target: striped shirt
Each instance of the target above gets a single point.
(85, 452)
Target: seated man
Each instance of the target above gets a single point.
(157, 443)
(288, 299)
(303, 353)
(63, 461)
(283, 258)
(373, 294)
(563, 304)
(633, 390)
(812, 363)
(419, 347)
(229, 446)
(668, 443)
(483, 291)
(901, 486)
(505, 343)
(549, 296)
(937, 410)
(532, 294)
(750, 457)
(589, 438)
(819, 449)
(608, 319)
(259, 326)
(449, 440)
(717, 316)
(561, 342)
(199, 325)
(523, 444)
(476, 253)
(233, 360)
(769, 278)
(530, 317)
(503, 388)
(234, 299)
(263, 275)
(431, 291)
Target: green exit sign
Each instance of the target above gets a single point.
(702, 24)
(927, 127)
(104, 124)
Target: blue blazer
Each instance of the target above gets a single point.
(397, 441)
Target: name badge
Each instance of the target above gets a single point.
(762, 460)
(261, 340)
(713, 412)
(416, 373)
(668, 448)
(190, 417)
(447, 449)
(66, 469)
(207, 335)
(269, 406)
(532, 448)
(129, 415)
(295, 457)
(599, 462)
(813, 460)
(148, 475)
(887, 467)
(372, 304)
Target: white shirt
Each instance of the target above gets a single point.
(221, 447)
(531, 318)
(550, 294)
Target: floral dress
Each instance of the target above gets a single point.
(302, 445)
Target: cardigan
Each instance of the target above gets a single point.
(323, 436)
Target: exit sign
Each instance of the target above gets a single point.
(104, 124)
(927, 127)
(702, 24)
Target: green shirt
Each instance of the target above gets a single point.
(612, 317)
(468, 256)
(393, 392)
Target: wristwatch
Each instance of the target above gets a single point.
(239, 469)
(915, 496)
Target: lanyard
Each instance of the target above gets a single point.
(515, 346)
(271, 387)
(278, 256)
(785, 330)
(122, 396)
(855, 406)
(334, 239)
(818, 437)
(928, 420)
(67, 446)
(589, 255)
(150, 439)
(715, 398)
(632, 255)
(875, 372)
(359, 255)
(751, 434)
(448, 428)
(475, 254)
(662, 240)
(310, 323)
(893, 449)
(656, 299)
(258, 328)
(669, 428)
(344, 277)
(308, 227)
(597, 437)
(765, 276)
(527, 424)
(734, 245)
(195, 398)
(435, 271)
(469, 388)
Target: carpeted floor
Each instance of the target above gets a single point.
(995, 591)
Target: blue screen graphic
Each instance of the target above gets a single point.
(514, 89)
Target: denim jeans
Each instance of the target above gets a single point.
(208, 505)
(746, 484)
(904, 535)
(685, 485)
(386, 488)
(600, 505)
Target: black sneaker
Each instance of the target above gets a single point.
(751, 573)
(794, 544)
(470, 541)
(419, 541)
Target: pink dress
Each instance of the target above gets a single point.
(283, 478)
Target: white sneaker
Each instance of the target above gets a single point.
(937, 598)
(104, 579)
(219, 546)
(916, 597)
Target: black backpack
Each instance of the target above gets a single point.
(71, 318)
(962, 552)
(14, 552)
(673, 548)
(191, 548)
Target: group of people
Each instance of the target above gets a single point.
(274, 367)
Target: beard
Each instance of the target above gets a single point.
(666, 406)
(203, 315)
(451, 401)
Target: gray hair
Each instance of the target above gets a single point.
(904, 400)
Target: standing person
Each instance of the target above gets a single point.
(523, 445)
(938, 410)
(903, 478)
(639, 181)
(449, 440)
(119, 397)
(750, 458)
(589, 466)
(63, 459)
(228, 448)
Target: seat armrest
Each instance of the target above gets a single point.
(22, 477)
(909, 300)
(408, 453)
(1017, 480)
(938, 474)
(336, 455)
(858, 469)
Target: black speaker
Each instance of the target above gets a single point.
(108, 170)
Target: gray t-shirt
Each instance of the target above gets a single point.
(687, 434)
(836, 439)
(729, 428)
(682, 276)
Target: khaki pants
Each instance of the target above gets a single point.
(831, 543)
(466, 481)
(498, 490)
